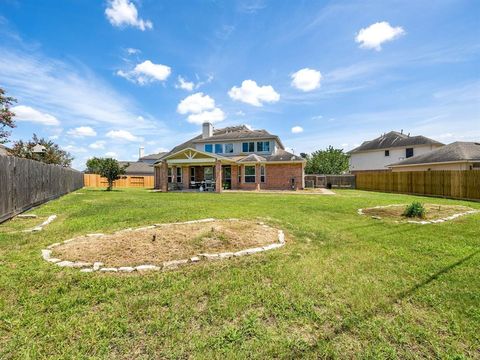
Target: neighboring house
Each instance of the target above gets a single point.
(455, 156)
(3, 150)
(392, 147)
(233, 157)
(143, 166)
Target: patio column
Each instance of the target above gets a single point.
(257, 177)
(234, 177)
(186, 177)
(164, 176)
(218, 176)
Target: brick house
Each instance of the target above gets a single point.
(230, 158)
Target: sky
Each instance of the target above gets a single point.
(102, 78)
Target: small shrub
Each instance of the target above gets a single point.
(415, 209)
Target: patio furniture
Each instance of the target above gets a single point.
(209, 185)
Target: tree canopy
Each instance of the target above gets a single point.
(6, 115)
(52, 154)
(106, 167)
(330, 161)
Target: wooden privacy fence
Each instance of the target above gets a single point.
(27, 183)
(446, 183)
(95, 180)
(338, 181)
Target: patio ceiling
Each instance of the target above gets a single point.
(195, 157)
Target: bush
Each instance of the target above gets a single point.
(415, 209)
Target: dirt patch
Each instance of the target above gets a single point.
(433, 212)
(167, 242)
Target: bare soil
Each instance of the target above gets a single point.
(167, 242)
(433, 211)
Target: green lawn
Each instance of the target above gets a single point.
(344, 286)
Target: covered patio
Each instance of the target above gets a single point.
(194, 170)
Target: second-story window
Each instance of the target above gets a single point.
(248, 147)
(228, 148)
(208, 148)
(408, 152)
(218, 148)
(263, 146)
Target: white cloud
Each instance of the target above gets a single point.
(306, 79)
(195, 104)
(74, 149)
(240, 113)
(82, 131)
(373, 36)
(123, 135)
(253, 94)
(111, 154)
(133, 51)
(72, 92)
(27, 113)
(124, 13)
(184, 84)
(297, 130)
(97, 145)
(201, 108)
(146, 72)
(212, 116)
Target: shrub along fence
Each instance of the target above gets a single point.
(446, 183)
(95, 180)
(338, 181)
(26, 183)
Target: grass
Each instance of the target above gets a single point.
(347, 286)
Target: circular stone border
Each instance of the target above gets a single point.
(166, 265)
(422, 222)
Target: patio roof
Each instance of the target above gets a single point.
(194, 156)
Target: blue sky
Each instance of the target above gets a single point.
(104, 77)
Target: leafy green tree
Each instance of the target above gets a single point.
(52, 153)
(6, 115)
(93, 165)
(106, 167)
(329, 162)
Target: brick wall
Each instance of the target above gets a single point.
(278, 177)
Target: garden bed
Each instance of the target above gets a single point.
(434, 212)
(157, 245)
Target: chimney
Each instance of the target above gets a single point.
(207, 130)
(141, 152)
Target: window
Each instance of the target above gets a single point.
(192, 174)
(387, 152)
(208, 173)
(248, 147)
(169, 177)
(239, 174)
(262, 173)
(228, 148)
(208, 148)
(218, 148)
(263, 146)
(179, 174)
(249, 174)
(408, 152)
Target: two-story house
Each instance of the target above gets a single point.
(392, 147)
(230, 158)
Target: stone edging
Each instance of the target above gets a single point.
(166, 265)
(423, 222)
(42, 225)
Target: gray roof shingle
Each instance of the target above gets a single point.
(457, 151)
(137, 168)
(394, 139)
(153, 156)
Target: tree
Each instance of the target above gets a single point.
(52, 153)
(106, 167)
(329, 162)
(6, 116)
